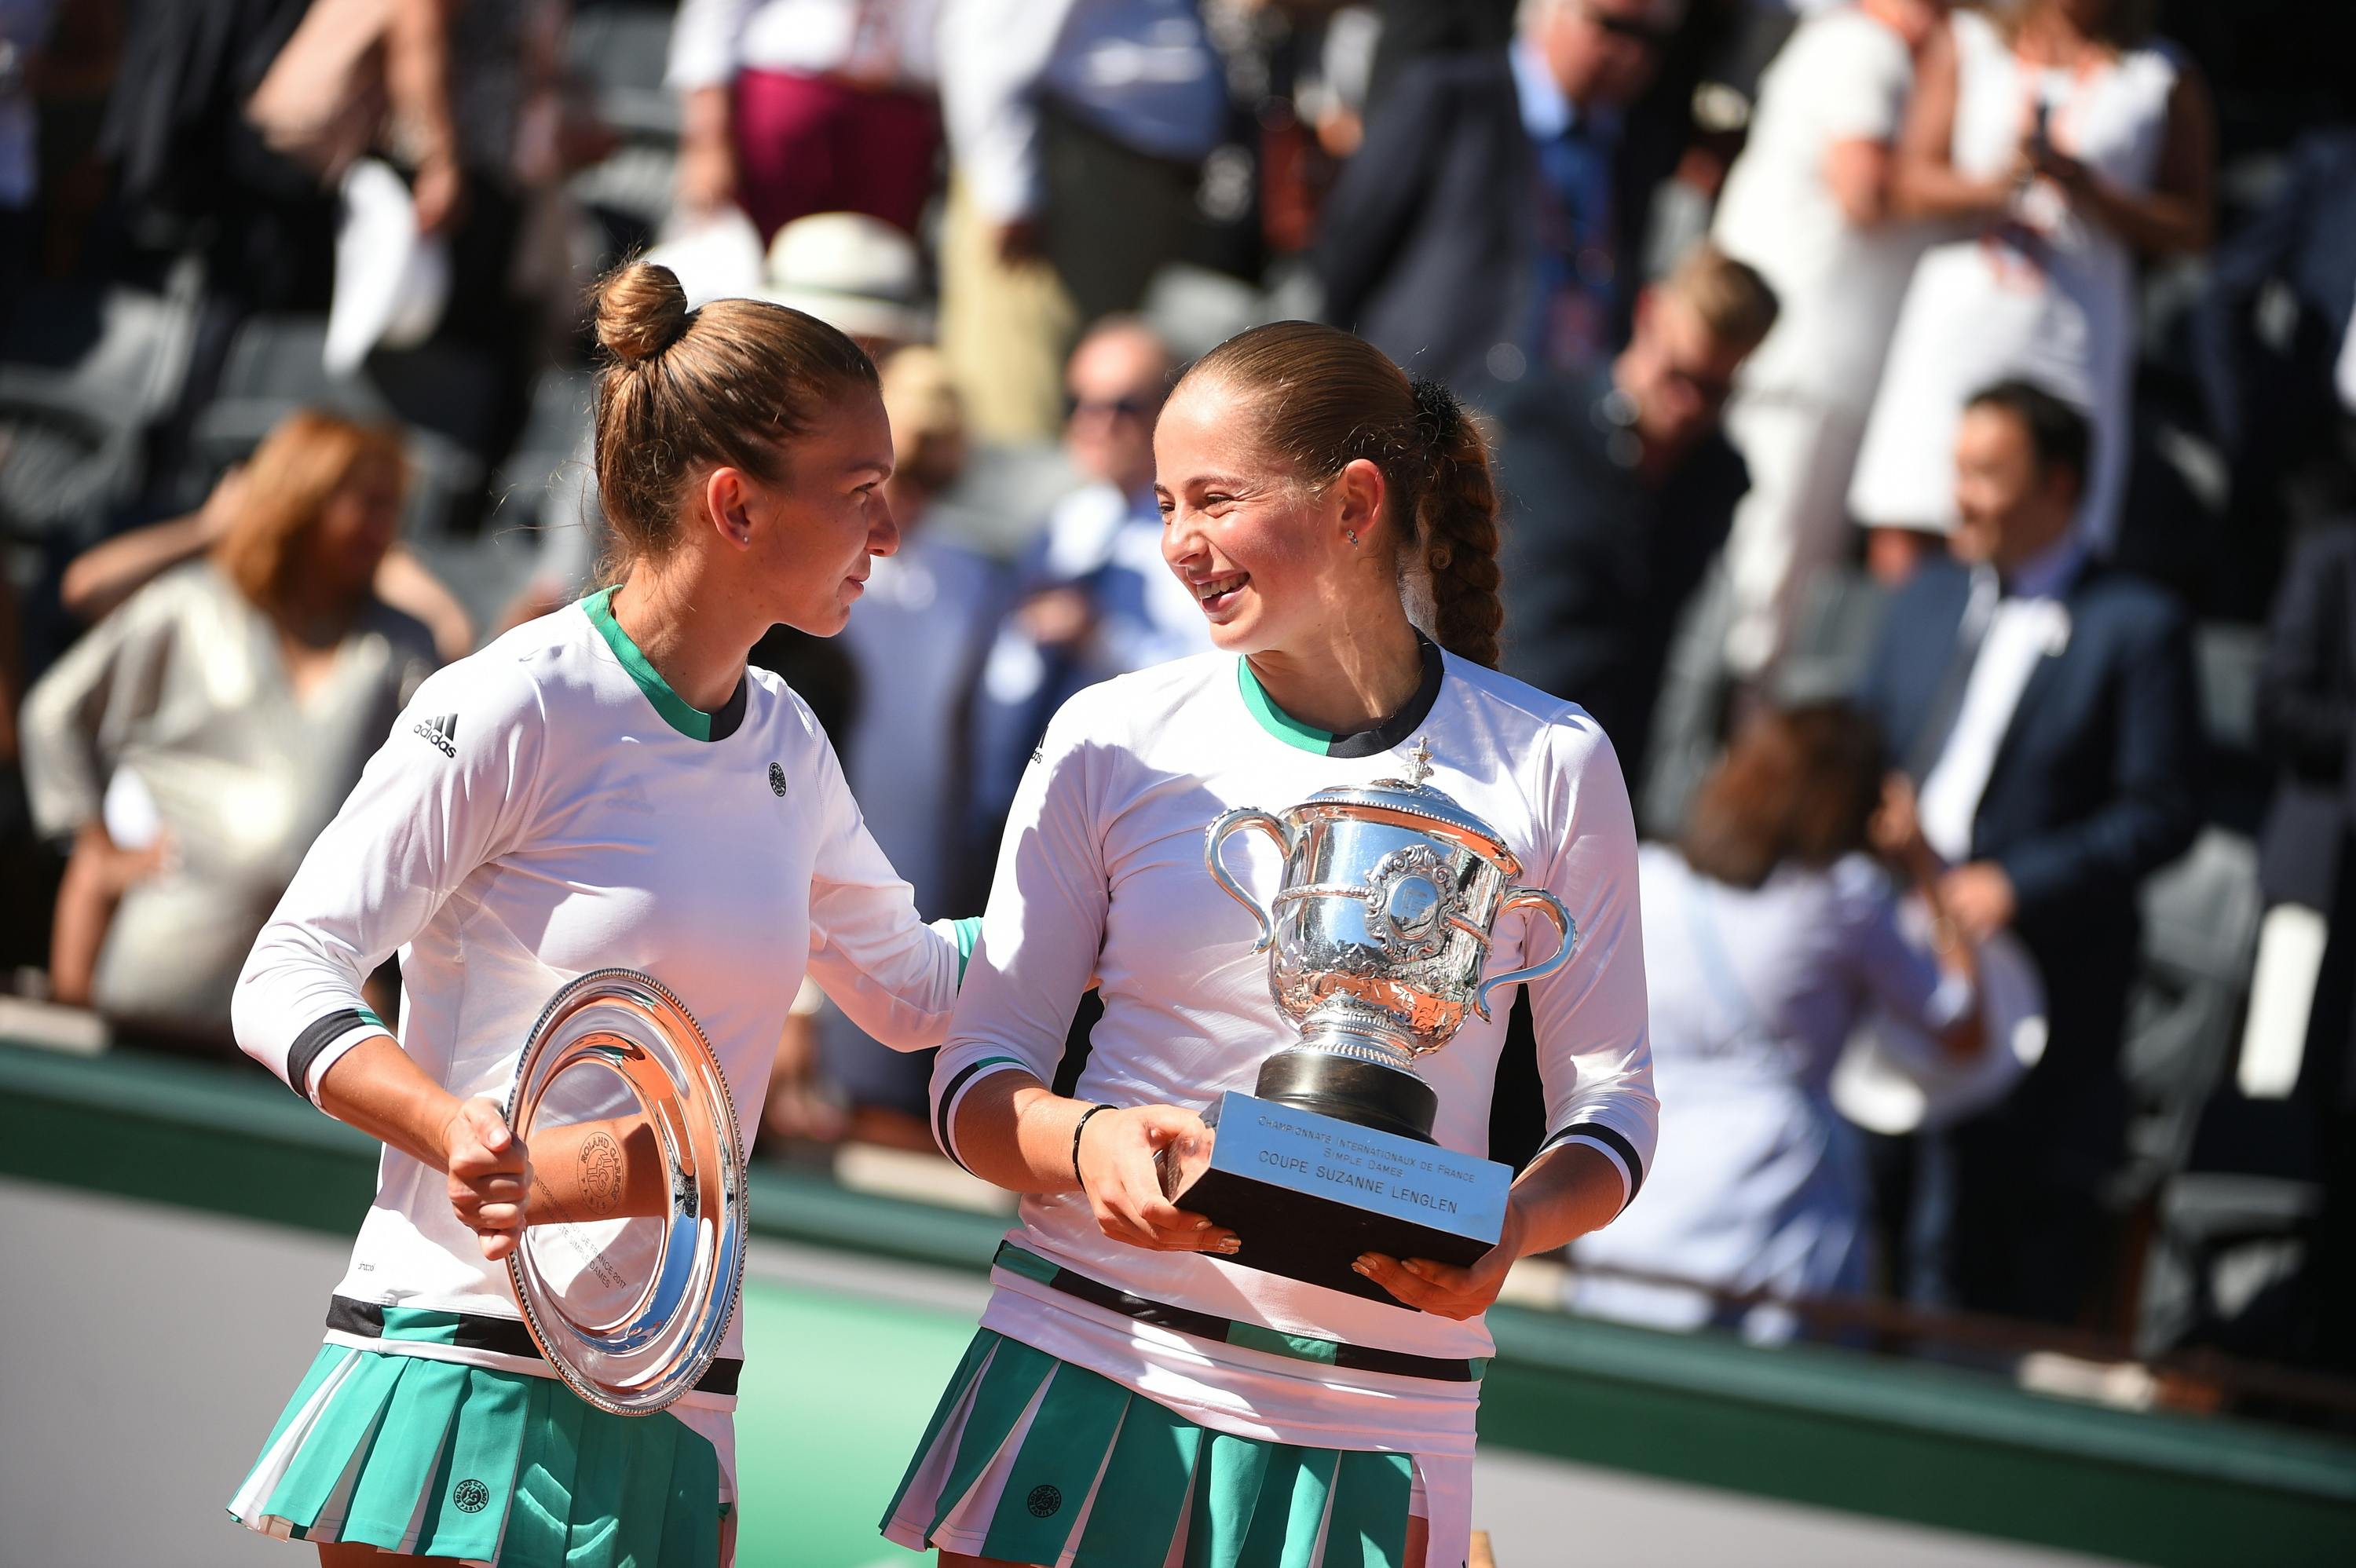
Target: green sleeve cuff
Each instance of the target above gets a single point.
(969, 933)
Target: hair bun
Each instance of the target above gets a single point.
(641, 311)
(1438, 415)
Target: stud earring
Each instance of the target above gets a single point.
(1352, 534)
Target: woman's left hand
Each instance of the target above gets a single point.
(1441, 1289)
(2072, 174)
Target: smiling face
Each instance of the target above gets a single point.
(2009, 508)
(809, 537)
(1265, 553)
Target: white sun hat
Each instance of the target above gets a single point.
(392, 283)
(858, 275)
(714, 255)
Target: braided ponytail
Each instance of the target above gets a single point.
(1456, 522)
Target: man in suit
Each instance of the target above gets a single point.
(2306, 857)
(1492, 226)
(1619, 487)
(2282, 402)
(2043, 711)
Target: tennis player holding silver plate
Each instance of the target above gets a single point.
(606, 788)
(628, 1301)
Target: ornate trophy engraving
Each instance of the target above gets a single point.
(1378, 937)
(630, 1309)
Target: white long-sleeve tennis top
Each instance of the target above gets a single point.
(546, 807)
(1101, 871)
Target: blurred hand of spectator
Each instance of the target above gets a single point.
(98, 873)
(1979, 898)
(437, 190)
(1019, 240)
(1896, 829)
(798, 1106)
(707, 152)
(1056, 617)
(417, 80)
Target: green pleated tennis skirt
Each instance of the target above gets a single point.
(1034, 1460)
(438, 1460)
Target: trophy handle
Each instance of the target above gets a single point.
(1546, 904)
(1244, 817)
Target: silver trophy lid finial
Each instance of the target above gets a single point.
(1419, 764)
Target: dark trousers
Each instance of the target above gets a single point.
(2021, 1242)
(2007, 1212)
(1113, 213)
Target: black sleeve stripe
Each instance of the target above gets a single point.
(948, 1097)
(1618, 1145)
(322, 1033)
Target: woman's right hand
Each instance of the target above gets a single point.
(707, 174)
(1120, 1165)
(1896, 829)
(490, 1174)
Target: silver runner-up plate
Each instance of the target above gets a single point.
(628, 1308)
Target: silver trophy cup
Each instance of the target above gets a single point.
(1381, 934)
(1378, 939)
(630, 1309)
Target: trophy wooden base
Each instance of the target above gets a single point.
(1307, 1193)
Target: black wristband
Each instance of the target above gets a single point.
(1077, 1128)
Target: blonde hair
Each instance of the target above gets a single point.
(727, 385)
(1732, 300)
(2126, 25)
(306, 457)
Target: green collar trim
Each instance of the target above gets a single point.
(1275, 719)
(968, 937)
(682, 716)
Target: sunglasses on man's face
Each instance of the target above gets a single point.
(1113, 408)
(1635, 29)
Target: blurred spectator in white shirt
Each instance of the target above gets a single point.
(1097, 601)
(1076, 130)
(1808, 205)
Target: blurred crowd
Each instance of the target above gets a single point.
(1927, 437)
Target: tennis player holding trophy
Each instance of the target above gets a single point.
(607, 806)
(1193, 1382)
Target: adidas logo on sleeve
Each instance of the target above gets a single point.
(442, 733)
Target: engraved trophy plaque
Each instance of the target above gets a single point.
(630, 1308)
(1377, 940)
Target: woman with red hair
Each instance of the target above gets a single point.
(197, 740)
